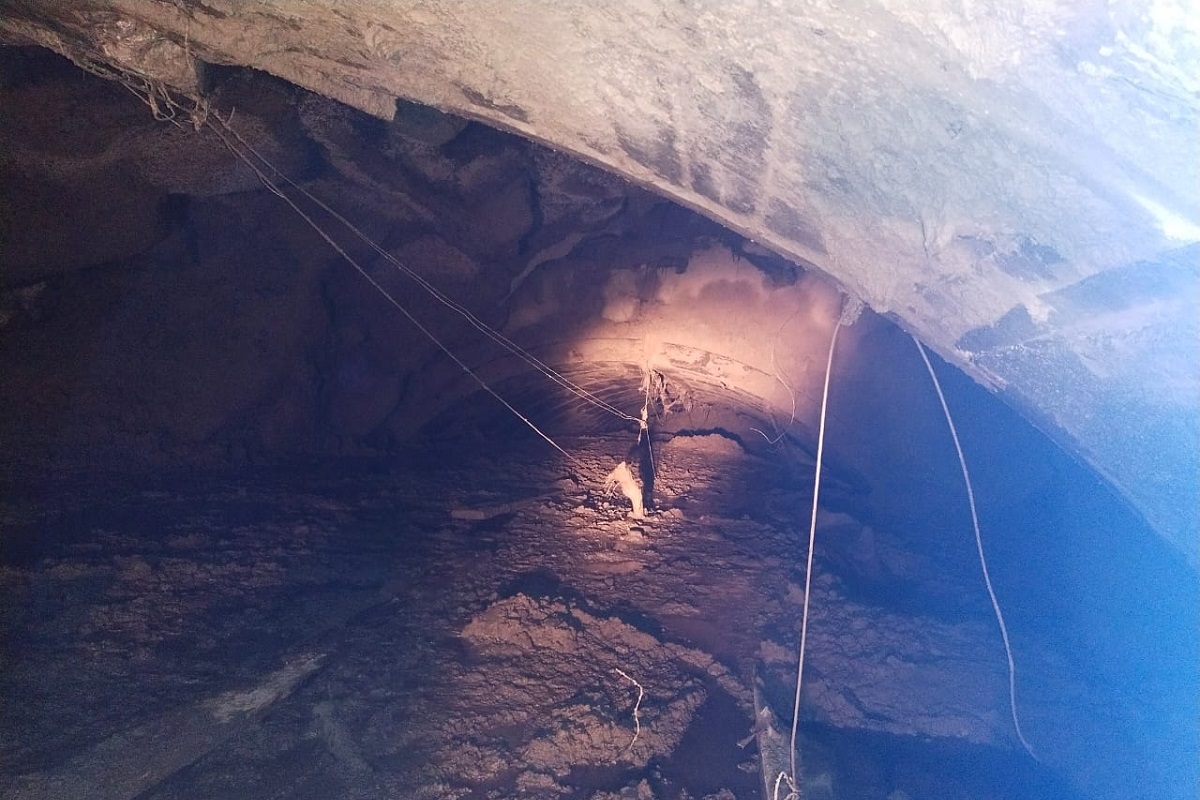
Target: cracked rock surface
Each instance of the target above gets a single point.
(494, 629)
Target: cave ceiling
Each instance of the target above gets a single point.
(1013, 183)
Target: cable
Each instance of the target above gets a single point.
(151, 93)
(1012, 669)
(644, 430)
(812, 538)
(422, 328)
(438, 295)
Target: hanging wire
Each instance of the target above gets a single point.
(437, 294)
(644, 428)
(793, 779)
(987, 580)
(274, 189)
(165, 106)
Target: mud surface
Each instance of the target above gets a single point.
(499, 629)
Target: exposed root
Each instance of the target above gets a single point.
(637, 707)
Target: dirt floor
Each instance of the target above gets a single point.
(498, 628)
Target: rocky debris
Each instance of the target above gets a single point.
(552, 649)
(556, 671)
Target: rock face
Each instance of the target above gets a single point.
(436, 629)
(234, 333)
(237, 336)
(1015, 185)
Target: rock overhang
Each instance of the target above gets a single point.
(1016, 187)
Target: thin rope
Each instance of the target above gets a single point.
(151, 92)
(1012, 669)
(408, 315)
(438, 295)
(165, 108)
(812, 538)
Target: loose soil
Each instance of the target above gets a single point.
(494, 628)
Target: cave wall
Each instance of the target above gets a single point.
(218, 326)
(190, 317)
(238, 336)
(1013, 183)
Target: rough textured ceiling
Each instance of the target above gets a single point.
(1016, 183)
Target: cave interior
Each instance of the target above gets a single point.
(285, 521)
